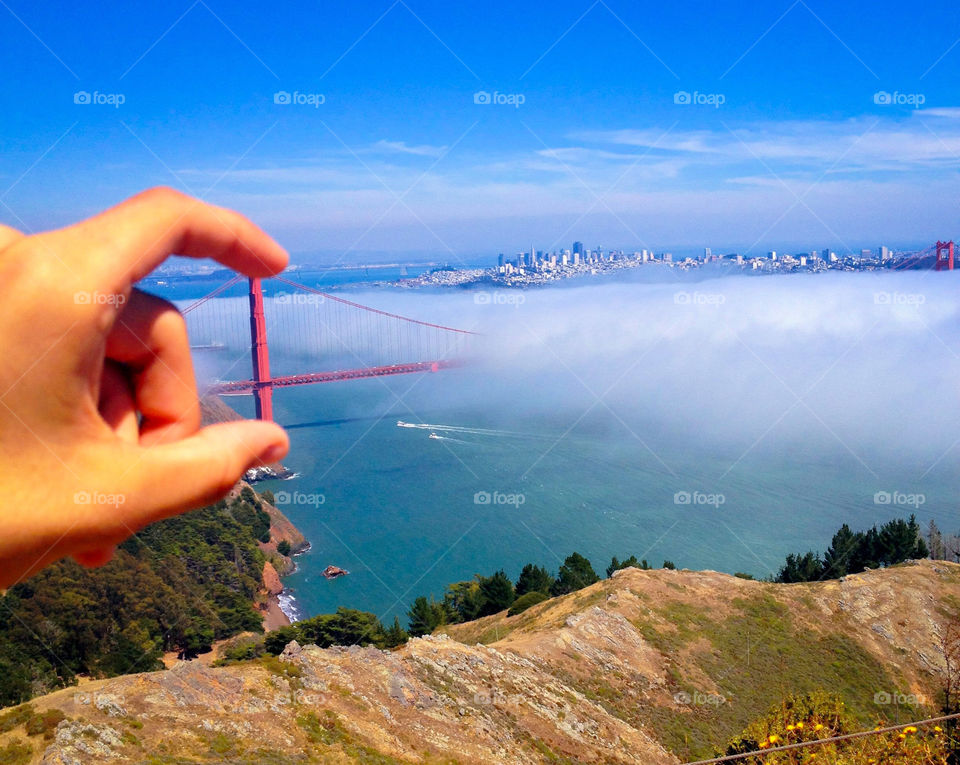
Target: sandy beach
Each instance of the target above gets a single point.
(274, 618)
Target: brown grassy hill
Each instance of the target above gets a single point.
(648, 667)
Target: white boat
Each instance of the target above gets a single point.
(434, 435)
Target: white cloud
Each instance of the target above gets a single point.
(401, 147)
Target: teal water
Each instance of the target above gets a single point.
(399, 510)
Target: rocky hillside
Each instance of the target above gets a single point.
(647, 667)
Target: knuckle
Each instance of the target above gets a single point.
(162, 195)
(171, 321)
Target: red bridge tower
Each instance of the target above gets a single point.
(944, 260)
(262, 385)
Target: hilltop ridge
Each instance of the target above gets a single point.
(645, 667)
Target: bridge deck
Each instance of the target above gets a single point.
(248, 386)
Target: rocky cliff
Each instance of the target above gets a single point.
(648, 667)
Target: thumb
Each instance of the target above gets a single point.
(202, 468)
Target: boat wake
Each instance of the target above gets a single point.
(439, 431)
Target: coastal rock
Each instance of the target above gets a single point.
(332, 572)
(271, 579)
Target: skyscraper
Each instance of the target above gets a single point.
(578, 248)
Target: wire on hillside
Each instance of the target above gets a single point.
(821, 741)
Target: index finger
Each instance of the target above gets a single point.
(141, 232)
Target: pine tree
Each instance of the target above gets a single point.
(801, 568)
(395, 635)
(938, 550)
(534, 579)
(575, 574)
(424, 617)
(496, 593)
(616, 565)
(842, 553)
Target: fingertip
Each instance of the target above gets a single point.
(95, 558)
(273, 443)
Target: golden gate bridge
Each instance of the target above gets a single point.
(938, 256)
(362, 342)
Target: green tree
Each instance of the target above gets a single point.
(395, 635)
(575, 574)
(496, 593)
(534, 579)
(938, 550)
(283, 547)
(842, 552)
(616, 565)
(277, 640)
(424, 617)
(669, 564)
(801, 568)
(462, 602)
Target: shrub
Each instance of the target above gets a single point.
(525, 601)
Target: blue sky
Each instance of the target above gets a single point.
(788, 146)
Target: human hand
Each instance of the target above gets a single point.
(99, 416)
